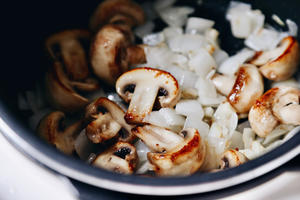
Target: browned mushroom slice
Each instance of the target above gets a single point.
(286, 106)
(261, 118)
(60, 92)
(117, 11)
(247, 88)
(141, 87)
(277, 105)
(107, 121)
(52, 129)
(111, 53)
(232, 158)
(121, 158)
(280, 63)
(172, 154)
(70, 51)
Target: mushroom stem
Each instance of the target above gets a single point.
(137, 111)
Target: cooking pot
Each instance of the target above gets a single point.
(29, 25)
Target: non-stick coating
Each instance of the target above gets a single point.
(28, 24)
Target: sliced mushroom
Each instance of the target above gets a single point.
(232, 158)
(60, 92)
(280, 63)
(247, 88)
(111, 53)
(286, 105)
(277, 105)
(223, 83)
(261, 118)
(117, 12)
(107, 121)
(52, 129)
(121, 158)
(66, 46)
(173, 154)
(141, 87)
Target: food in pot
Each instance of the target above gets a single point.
(184, 104)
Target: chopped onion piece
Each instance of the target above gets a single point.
(190, 108)
(186, 43)
(243, 20)
(264, 39)
(277, 20)
(197, 123)
(171, 32)
(220, 56)
(201, 62)
(142, 151)
(236, 140)
(208, 111)
(196, 25)
(231, 65)
(144, 29)
(83, 146)
(154, 39)
(279, 131)
(175, 16)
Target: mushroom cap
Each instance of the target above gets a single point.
(71, 52)
(52, 129)
(117, 11)
(61, 94)
(120, 158)
(247, 88)
(185, 159)
(232, 158)
(108, 52)
(280, 63)
(261, 118)
(106, 120)
(286, 106)
(142, 87)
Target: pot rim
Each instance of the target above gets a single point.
(45, 154)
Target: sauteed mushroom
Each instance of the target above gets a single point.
(247, 88)
(277, 105)
(107, 120)
(173, 154)
(141, 87)
(232, 158)
(52, 129)
(60, 91)
(223, 83)
(120, 158)
(280, 63)
(111, 53)
(71, 51)
(118, 12)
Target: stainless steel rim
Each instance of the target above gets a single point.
(144, 189)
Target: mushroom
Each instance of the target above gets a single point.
(172, 154)
(61, 91)
(118, 12)
(223, 83)
(67, 47)
(277, 105)
(144, 87)
(232, 158)
(261, 118)
(286, 105)
(121, 158)
(112, 53)
(247, 88)
(52, 129)
(280, 63)
(107, 120)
